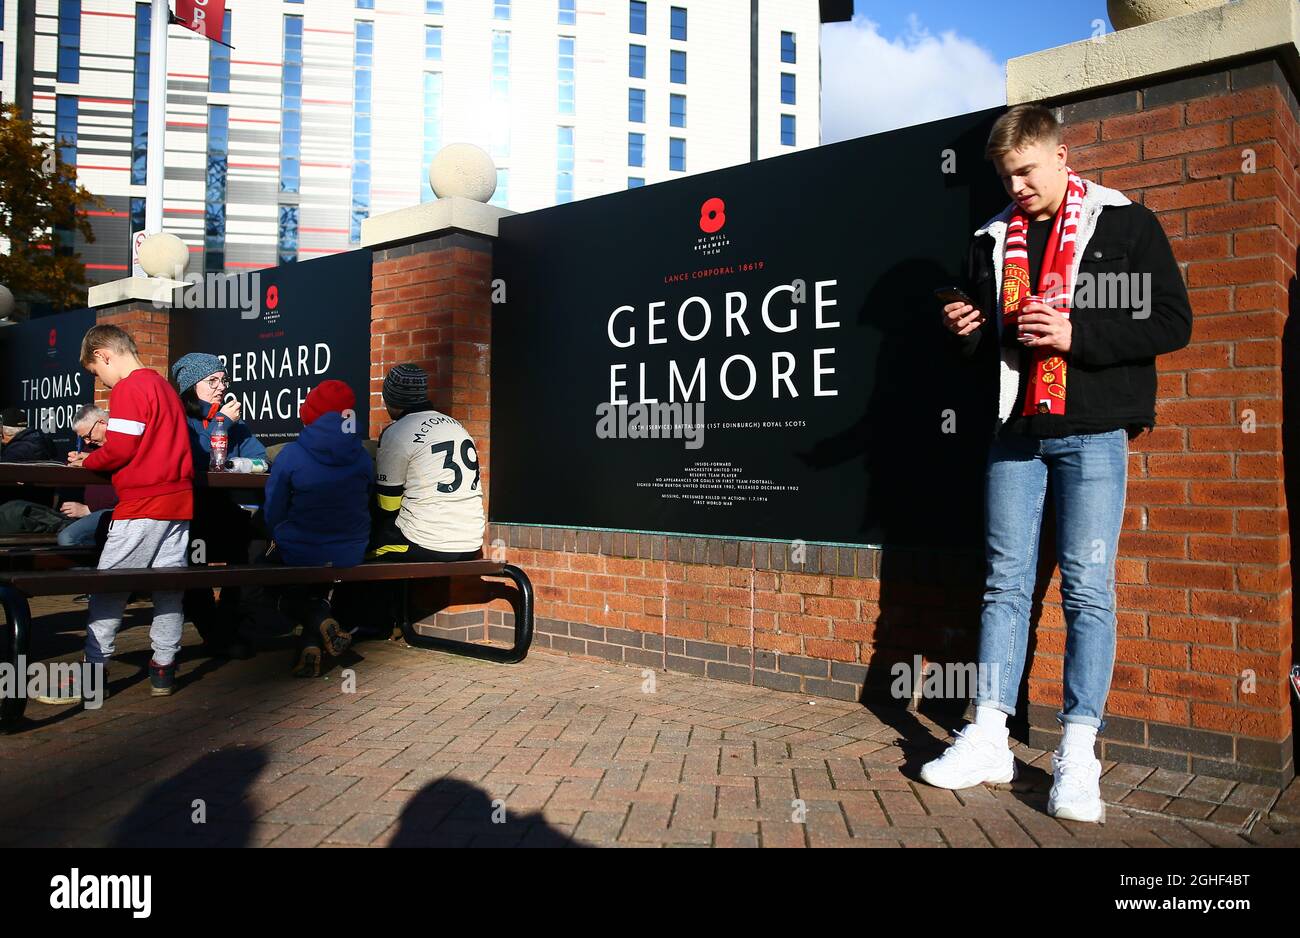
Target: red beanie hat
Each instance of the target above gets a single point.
(326, 397)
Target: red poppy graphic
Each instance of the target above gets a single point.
(713, 215)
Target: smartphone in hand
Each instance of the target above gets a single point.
(949, 295)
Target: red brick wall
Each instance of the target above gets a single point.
(1205, 584)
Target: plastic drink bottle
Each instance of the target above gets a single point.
(219, 439)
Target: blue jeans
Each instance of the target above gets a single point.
(1089, 474)
(81, 533)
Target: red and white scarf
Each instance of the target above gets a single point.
(1045, 392)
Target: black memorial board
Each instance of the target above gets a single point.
(41, 373)
(280, 332)
(863, 425)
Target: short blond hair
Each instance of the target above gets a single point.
(1022, 126)
(113, 338)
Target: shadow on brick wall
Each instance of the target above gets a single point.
(1291, 439)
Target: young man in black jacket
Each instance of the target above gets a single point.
(1076, 291)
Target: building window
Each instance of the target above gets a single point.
(65, 127)
(636, 17)
(291, 106)
(787, 47)
(214, 209)
(787, 130)
(636, 61)
(219, 60)
(363, 62)
(288, 251)
(566, 74)
(137, 214)
(677, 67)
(635, 182)
(677, 154)
(678, 27)
(433, 43)
(69, 40)
(500, 102)
(636, 105)
(501, 9)
(677, 110)
(433, 6)
(787, 88)
(564, 172)
(140, 98)
(501, 195)
(636, 149)
(568, 12)
(432, 130)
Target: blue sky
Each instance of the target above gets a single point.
(902, 62)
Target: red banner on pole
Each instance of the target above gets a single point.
(202, 16)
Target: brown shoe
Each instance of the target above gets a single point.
(336, 638)
(308, 662)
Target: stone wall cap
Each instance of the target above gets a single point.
(1161, 49)
(430, 219)
(131, 289)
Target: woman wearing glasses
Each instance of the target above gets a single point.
(221, 531)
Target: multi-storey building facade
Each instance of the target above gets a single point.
(328, 111)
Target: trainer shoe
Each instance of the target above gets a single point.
(1076, 790)
(974, 758)
(66, 692)
(162, 679)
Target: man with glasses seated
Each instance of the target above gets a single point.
(221, 531)
(92, 516)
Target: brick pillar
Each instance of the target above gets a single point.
(149, 325)
(1204, 574)
(430, 306)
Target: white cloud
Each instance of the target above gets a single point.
(871, 83)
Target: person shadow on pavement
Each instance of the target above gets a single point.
(205, 805)
(452, 813)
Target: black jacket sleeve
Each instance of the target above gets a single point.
(1167, 323)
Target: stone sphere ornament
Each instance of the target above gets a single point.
(164, 255)
(6, 301)
(1126, 13)
(463, 170)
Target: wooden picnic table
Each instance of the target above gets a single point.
(48, 475)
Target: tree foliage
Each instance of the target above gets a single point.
(41, 206)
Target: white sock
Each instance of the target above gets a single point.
(992, 721)
(1079, 741)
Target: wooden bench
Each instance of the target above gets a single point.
(34, 551)
(17, 587)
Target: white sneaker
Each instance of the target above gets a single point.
(974, 758)
(1076, 790)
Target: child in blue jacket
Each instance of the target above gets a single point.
(317, 510)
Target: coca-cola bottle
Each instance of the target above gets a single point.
(219, 439)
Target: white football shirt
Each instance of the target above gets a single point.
(434, 460)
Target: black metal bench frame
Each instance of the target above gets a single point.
(17, 587)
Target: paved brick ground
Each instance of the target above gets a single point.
(428, 747)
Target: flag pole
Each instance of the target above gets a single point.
(160, 16)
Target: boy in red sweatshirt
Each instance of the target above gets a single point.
(147, 449)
